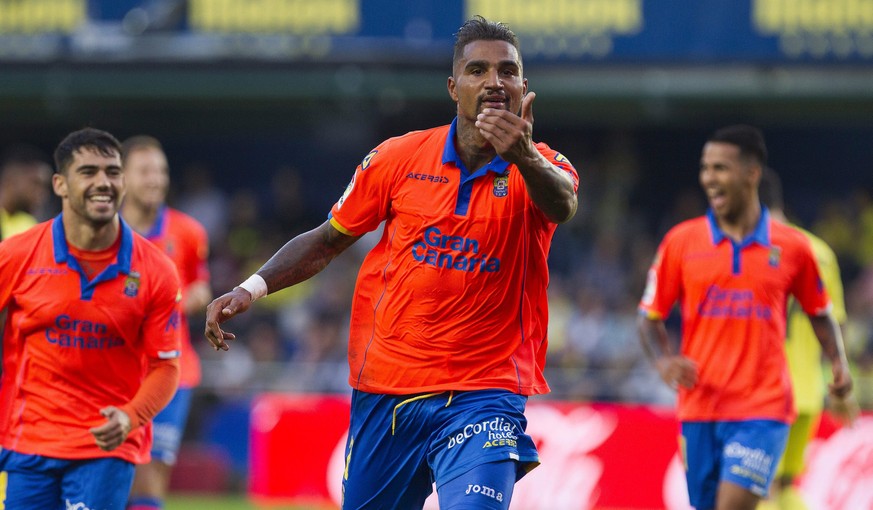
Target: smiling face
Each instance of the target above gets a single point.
(91, 187)
(146, 178)
(729, 179)
(487, 75)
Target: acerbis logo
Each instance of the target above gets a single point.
(54, 271)
(438, 179)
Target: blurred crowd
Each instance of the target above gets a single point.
(295, 340)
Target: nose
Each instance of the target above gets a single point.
(492, 79)
(101, 179)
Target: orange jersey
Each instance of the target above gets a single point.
(73, 346)
(453, 296)
(184, 240)
(733, 304)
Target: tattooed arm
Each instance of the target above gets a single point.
(300, 259)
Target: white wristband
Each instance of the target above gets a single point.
(256, 286)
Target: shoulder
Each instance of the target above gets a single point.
(415, 140)
(151, 254)
(789, 235)
(693, 228)
(551, 154)
(184, 221)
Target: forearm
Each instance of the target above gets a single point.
(830, 336)
(155, 392)
(550, 188)
(653, 337)
(304, 256)
(197, 296)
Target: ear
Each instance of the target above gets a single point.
(450, 85)
(755, 174)
(59, 185)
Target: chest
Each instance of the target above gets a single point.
(729, 273)
(59, 301)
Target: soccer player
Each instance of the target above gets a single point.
(184, 240)
(732, 271)
(91, 341)
(448, 325)
(25, 174)
(803, 353)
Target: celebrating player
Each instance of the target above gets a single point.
(448, 326)
(732, 271)
(91, 342)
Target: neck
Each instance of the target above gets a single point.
(741, 226)
(141, 219)
(474, 151)
(90, 237)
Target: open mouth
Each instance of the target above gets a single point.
(494, 102)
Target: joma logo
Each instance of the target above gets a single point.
(484, 490)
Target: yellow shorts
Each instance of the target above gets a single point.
(793, 460)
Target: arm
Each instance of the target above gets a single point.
(675, 370)
(155, 392)
(550, 188)
(829, 335)
(300, 259)
(197, 295)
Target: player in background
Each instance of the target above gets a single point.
(25, 177)
(88, 301)
(449, 318)
(803, 352)
(184, 240)
(732, 271)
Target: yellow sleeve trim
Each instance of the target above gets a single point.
(341, 228)
(652, 315)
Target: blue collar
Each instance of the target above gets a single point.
(450, 155)
(158, 227)
(62, 251)
(760, 235)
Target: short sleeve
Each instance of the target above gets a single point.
(366, 200)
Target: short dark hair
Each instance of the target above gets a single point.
(478, 28)
(749, 139)
(770, 189)
(139, 142)
(101, 141)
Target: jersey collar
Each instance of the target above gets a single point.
(157, 229)
(62, 251)
(760, 235)
(450, 155)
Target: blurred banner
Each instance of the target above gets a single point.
(609, 31)
(594, 456)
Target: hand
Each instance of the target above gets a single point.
(677, 371)
(221, 309)
(111, 434)
(841, 386)
(510, 135)
(845, 409)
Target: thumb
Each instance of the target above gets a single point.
(527, 106)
